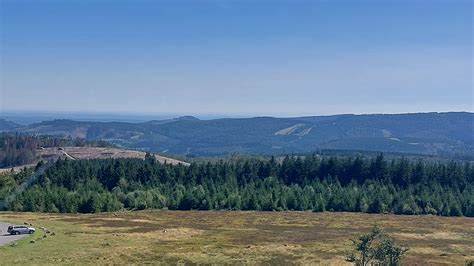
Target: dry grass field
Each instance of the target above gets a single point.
(101, 153)
(88, 153)
(217, 237)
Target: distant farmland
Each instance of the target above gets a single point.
(231, 237)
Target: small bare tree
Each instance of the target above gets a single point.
(376, 248)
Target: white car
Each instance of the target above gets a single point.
(20, 229)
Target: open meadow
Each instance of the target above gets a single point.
(230, 237)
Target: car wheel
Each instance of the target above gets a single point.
(18, 232)
(31, 231)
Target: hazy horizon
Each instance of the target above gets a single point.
(27, 117)
(4, 111)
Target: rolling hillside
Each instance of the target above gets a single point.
(420, 133)
(7, 125)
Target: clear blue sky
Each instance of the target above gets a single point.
(237, 57)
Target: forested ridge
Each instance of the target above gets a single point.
(355, 184)
(440, 134)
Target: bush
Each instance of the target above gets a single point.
(376, 248)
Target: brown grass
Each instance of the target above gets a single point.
(218, 237)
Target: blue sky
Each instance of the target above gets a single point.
(237, 57)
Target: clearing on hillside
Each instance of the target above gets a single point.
(74, 153)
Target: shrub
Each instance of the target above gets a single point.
(376, 248)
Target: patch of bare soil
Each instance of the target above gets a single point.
(76, 153)
(98, 153)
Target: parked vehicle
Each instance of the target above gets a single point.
(20, 229)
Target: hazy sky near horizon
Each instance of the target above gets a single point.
(259, 57)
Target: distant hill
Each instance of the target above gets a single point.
(7, 125)
(419, 133)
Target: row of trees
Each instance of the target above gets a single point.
(17, 149)
(293, 183)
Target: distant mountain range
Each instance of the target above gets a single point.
(419, 133)
(7, 125)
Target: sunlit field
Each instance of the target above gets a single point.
(233, 237)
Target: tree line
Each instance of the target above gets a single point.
(353, 184)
